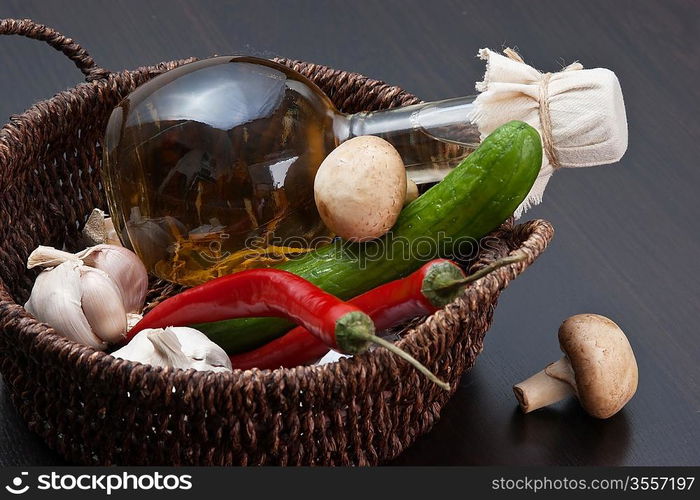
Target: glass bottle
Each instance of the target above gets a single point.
(209, 168)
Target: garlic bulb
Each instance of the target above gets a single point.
(57, 300)
(175, 347)
(152, 238)
(89, 297)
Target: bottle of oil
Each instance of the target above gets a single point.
(209, 168)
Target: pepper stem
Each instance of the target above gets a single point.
(511, 259)
(403, 354)
(353, 332)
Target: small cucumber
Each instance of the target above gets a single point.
(472, 200)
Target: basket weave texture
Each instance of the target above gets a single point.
(95, 409)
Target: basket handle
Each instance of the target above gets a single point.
(72, 50)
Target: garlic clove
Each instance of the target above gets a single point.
(45, 257)
(102, 305)
(125, 268)
(56, 300)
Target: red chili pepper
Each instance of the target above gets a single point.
(388, 305)
(430, 288)
(272, 292)
(257, 293)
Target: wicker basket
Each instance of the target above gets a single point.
(94, 409)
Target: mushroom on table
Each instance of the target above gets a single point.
(598, 367)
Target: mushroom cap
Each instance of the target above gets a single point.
(603, 363)
(360, 188)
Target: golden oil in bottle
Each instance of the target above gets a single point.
(209, 168)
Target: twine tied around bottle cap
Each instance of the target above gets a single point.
(579, 113)
(545, 117)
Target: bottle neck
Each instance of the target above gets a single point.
(431, 137)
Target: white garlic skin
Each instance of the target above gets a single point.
(175, 347)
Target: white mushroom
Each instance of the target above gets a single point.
(598, 367)
(360, 188)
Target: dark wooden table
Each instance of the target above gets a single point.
(628, 239)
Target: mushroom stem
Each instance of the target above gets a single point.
(541, 390)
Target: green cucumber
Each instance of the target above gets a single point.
(472, 200)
